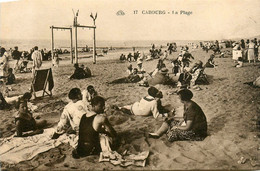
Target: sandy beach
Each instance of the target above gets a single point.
(231, 107)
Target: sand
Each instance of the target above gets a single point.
(231, 107)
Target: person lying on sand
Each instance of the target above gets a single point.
(149, 105)
(161, 77)
(193, 125)
(91, 125)
(132, 78)
(71, 114)
(24, 120)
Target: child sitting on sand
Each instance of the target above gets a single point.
(24, 119)
(91, 125)
(149, 104)
(89, 94)
(71, 114)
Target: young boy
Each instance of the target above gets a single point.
(24, 120)
(71, 114)
(91, 125)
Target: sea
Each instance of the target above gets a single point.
(27, 44)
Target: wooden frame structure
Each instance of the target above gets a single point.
(75, 26)
(52, 40)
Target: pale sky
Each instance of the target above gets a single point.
(210, 19)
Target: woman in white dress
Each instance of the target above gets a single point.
(251, 52)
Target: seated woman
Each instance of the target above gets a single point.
(87, 71)
(130, 69)
(91, 125)
(196, 72)
(195, 127)
(210, 63)
(184, 79)
(176, 64)
(140, 68)
(149, 105)
(24, 119)
(71, 114)
(79, 73)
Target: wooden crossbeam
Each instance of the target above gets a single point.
(85, 26)
(61, 27)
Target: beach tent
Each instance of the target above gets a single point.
(41, 79)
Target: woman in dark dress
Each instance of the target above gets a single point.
(195, 127)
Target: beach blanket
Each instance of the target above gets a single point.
(107, 155)
(16, 149)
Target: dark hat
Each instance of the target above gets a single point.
(152, 91)
(185, 94)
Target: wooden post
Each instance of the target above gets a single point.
(94, 44)
(76, 40)
(52, 43)
(71, 46)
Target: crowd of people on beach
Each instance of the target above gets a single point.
(246, 51)
(83, 115)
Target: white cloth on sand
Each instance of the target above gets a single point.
(17, 149)
(107, 155)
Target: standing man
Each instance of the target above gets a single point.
(37, 60)
(16, 56)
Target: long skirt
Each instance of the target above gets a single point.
(251, 54)
(180, 135)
